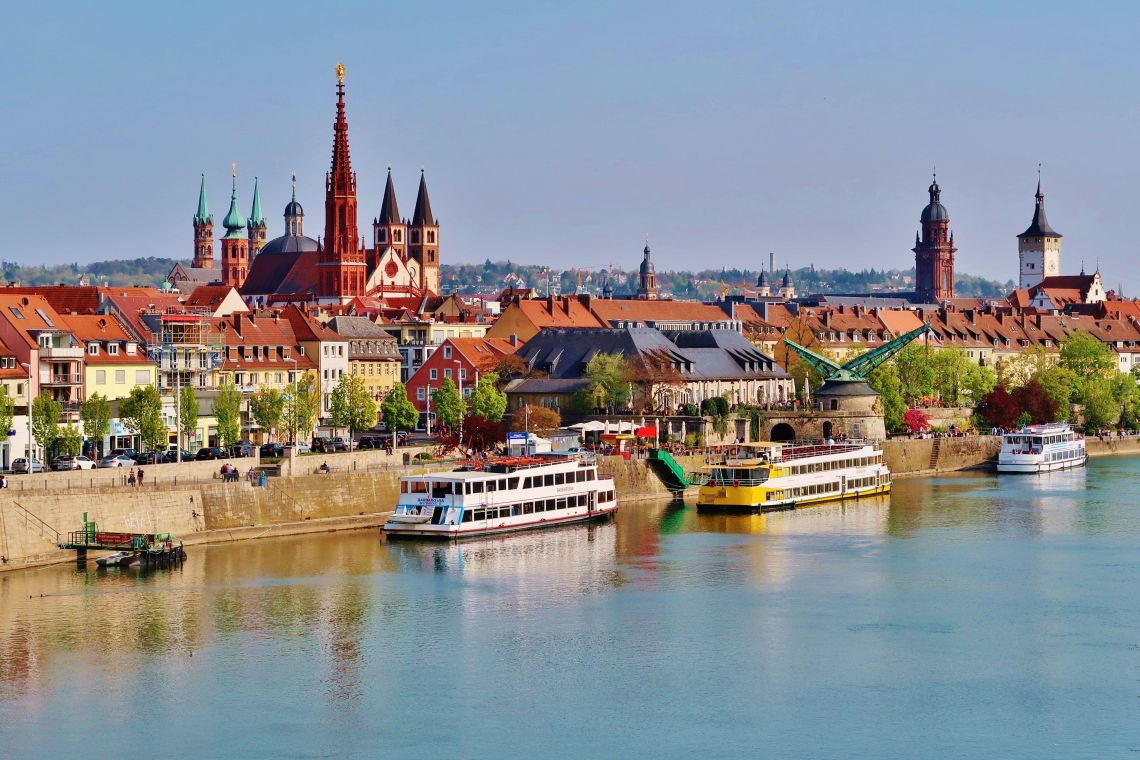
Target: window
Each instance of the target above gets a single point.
(93, 349)
(142, 377)
(420, 394)
(120, 376)
(434, 374)
(100, 376)
(447, 352)
(113, 349)
(15, 312)
(447, 372)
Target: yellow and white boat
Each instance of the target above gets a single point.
(768, 476)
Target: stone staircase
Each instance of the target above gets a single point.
(934, 451)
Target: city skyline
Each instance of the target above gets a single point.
(749, 131)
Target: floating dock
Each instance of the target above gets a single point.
(147, 549)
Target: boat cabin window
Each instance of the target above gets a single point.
(548, 480)
(440, 489)
(559, 478)
(419, 486)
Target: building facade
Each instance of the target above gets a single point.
(934, 251)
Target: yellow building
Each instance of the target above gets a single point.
(372, 353)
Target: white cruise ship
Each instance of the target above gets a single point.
(1042, 448)
(501, 495)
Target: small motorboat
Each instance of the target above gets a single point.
(411, 519)
(118, 559)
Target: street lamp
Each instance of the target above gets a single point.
(31, 440)
(293, 417)
(463, 413)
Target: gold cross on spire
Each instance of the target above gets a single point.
(340, 73)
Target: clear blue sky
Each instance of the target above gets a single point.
(561, 133)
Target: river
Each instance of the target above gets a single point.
(963, 616)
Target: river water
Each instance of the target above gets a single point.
(964, 616)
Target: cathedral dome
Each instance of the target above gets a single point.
(287, 244)
(646, 264)
(787, 283)
(294, 209)
(935, 211)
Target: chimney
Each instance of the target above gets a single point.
(1037, 320)
(514, 339)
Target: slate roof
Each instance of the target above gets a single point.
(1039, 227)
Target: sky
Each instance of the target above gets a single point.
(562, 133)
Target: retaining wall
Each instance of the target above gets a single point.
(1099, 447)
(915, 456)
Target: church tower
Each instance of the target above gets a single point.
(647, 278)
(203, 232)
(423, 240)
(340, 261)
(294, 214)
(388, 230)
(934, 251)
(1039, 247)
(235, 243)
(256, 227)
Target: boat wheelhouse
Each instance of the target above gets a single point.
(501, 495)
(1042, 448)
(769, 476)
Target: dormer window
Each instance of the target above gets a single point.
(93, 349)
(112, 349)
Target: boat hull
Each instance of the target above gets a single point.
(433, 532)
(1031, 468)
(742, 502)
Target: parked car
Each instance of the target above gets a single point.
(129, 453)
(241, 449)
(21, 465)
(69, 462)
(301, 446)
(402, 438)
(151, 457)
(367, 442)
(329, 445)
(210, 452)
(272, 450)
(117, 460)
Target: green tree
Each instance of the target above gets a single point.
(1101, 409)
(70, 440)
(351, 406)
(187, 414)
(606, 374)
(1059, 383)
(267, 407)
(397, 411)
(487, 401)
(1089, 359)
(46, 412)
(977, 382)
(959, 380)
(301, 405)
(227, 411)
(447, 404)
(7, 410)
(95, 414)
(885, 380)
(141, 413)
(915, 372)
(1016, 371)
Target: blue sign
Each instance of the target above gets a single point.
(11, 433)
(519, 437)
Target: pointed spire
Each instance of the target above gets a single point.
(340, 178)
(255, 215)
(234, 222)
(203, 216)
(1039, 227)
(389, 211)
(422, 216)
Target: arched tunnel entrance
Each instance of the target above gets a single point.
(783, 432)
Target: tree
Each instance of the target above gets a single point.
(884, 379)
(977, 382)
(1034, 400)
(916, 373)
(141, 413)
(397, 411)
(998, 408)
(536, 419)
(607, 380)
(187, 414)
(1016, 371)
(227, 411)
(1058, 382)
(481, 433)
(1101, 410)
(70, 441)
(46, 412)
(351, 406)
(916, 420)
(653, 378)
(487, 401)
(1086, 355)
(95, 414)
(301, 405)
(448, 405)
(267, 407)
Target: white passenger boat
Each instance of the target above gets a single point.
(1042, 448)
(501, 495)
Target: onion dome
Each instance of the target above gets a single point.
(234, 221)
(935, 211)
(646, 263)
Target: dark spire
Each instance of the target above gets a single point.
(1039, 227)
(422, 217)
(389, 212)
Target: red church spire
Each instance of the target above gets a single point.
(342, 269)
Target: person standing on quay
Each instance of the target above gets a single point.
(140, 476)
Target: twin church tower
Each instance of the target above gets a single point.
(403, 256)
(1038, 248)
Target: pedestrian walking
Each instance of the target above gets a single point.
(131, 477)
(141, 473)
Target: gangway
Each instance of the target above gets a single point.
(668, 470)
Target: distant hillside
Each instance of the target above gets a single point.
(492, 276)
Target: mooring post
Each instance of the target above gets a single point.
(81, 559)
